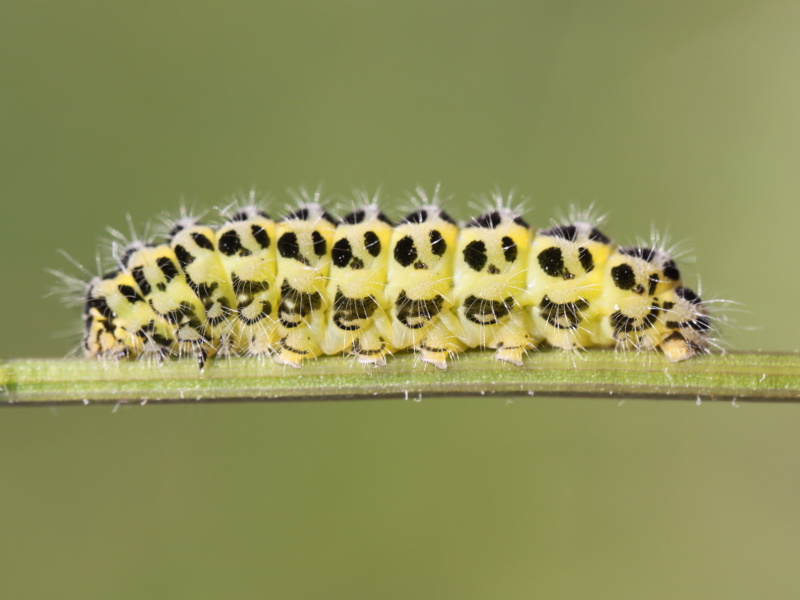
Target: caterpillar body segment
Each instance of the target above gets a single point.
(490, 284)
(304, 240)
(246, 245)
(357, 320)
(311, 284)
(137, 329)
(163, 285)
(683, 324)
(195, 248)
(566, 270)
(420, 285)
(636, 280)
(99, 339)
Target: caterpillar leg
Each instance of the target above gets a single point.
(297, 346)
(439, 342)
(511, 334)
(260, 341)
(569, 326)
(371, 348)
(514, 338)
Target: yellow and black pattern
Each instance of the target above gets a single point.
(310, 283)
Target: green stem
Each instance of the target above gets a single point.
(745, 376)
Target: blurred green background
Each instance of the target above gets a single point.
(680, 114)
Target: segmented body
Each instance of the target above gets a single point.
(304, 260)
(490, 284)
(311, 285)
(357, 321)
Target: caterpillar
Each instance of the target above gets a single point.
(309, 284)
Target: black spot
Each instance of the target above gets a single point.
(509, 249)
(356, 349)
(475, 255)
(320, 245)
(624, 324)
(139, 278)
(687, 294)
(372, 243)
(654, 281)
(203, 241)
(246, 215)
(288, 246)
(488, 220)
(647, 254)
(438, 245)
(260, 234)
(295, 305)
(245, 287)
(183, 256)
(354, 218)
(176, 229)
(668, 305)
(100, 305)
(566, 232)
(565, 316)
(587, 261)
(301, 214)
(418, 216)
(289, 348)
(486, 312)
(266, 309)
(130, 294)
(446, 218)
(168, 267)
(623, 277)
(385, 219)
(597, 236)
(405, 252)
(348, 311)
(671, 271)
(552, 261)
(341, 253)
(229, 243)
(521, 221)
(129, 251)
(420, 310)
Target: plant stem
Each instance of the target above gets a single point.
(598, 373)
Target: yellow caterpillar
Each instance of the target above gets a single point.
(310, 284)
